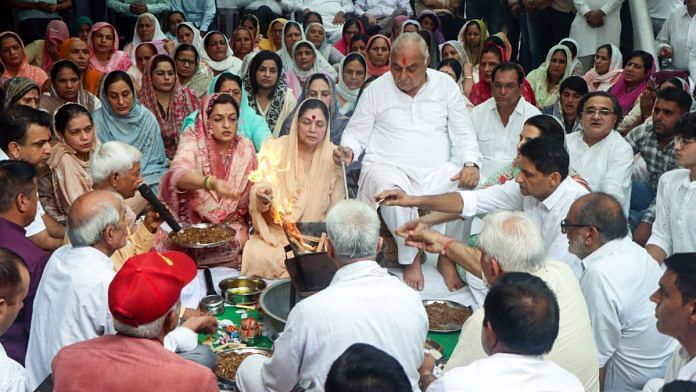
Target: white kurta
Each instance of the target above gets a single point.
(673, 230)
(498, 142)
(681, 367)
(363, 304)
(676, 33)
(617, 280)
(548, 213)
(589, 38)
(13, 377)
(71, 305)
(326, 8)
(574, 348)
(416, 144)
(606, 165)
(508, 372)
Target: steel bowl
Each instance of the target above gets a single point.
(212, 304)
(174, 238)
(242, 290)
(230, 384)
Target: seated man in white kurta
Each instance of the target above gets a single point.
(363, 304)
(414, 128)
(520, 325)
(543, 190)
(599, 153)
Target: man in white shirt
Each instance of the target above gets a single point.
(511, 242)
(673, 230)
(332, 12)
(675, 39)
(71, 301)
(26, 136)
(676, 301)
(660, 10)
(14, 286)
(618, 276)
(413, 126)
(542, 190)
(499, 121)
(599, 153)
(362, 304)
(520, 325)
(377, 15)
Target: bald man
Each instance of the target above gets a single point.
(413, 126)
(71, 298)
(617, 280)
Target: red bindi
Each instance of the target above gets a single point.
(314, 116)
(403, 61)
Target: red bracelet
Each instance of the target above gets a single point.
(446, 246)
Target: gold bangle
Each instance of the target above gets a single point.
(206, 183)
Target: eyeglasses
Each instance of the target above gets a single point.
(565, 225)
(602, 112)
(683, 141)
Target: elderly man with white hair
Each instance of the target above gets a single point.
(414, 128)
(71, 301)
(115, 167)
(511, 242)
(363, 303)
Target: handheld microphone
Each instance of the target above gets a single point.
(157, 205)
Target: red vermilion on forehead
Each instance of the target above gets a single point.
(403, 61)
(314, 116)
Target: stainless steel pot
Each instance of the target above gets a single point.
(242, 290)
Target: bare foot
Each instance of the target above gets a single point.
(413, 274)
(449, 272)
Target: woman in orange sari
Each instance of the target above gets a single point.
(208, 179)
(76, 50)
(304, 183)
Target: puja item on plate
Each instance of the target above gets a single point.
(202, 235)
(250, 330)
(443, 316)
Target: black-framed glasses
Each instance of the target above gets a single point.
(565, 225)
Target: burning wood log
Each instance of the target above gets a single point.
(322, 243)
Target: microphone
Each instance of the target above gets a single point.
(157, 205)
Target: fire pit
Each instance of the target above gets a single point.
(310, 269)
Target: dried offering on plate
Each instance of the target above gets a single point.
(443, 316)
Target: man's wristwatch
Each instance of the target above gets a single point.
(470, 164)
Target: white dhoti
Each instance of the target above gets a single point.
(378, 177)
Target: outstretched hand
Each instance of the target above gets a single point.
(223, 189)
(426, 239)
(468, 177)
(395, 198)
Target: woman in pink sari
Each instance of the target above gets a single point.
(167, 99)
(104, 55)
(208, 180)
(15, 61)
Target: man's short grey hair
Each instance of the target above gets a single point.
(411, 37)
(112, 157)
(353, 228)
(88, 228)
(514, 240)
(150, 330)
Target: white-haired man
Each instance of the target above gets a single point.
(115, 167)
(362, 304)
(414, 128)
(144, 301)
(71, 301)
(511, 242)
